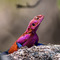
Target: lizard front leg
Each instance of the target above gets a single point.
(19, 45)
(37, 44)
(37, 39)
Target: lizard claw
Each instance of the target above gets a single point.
(39, 44)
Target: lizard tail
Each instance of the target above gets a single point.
(4, 53)
(13, 48)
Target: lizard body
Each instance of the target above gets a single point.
(29, 37)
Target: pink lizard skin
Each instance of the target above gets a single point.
(29, 37)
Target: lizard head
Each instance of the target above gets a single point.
(35, 22)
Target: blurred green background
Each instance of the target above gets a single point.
(58, 2)
(14, 20)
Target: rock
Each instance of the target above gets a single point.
(42, 52)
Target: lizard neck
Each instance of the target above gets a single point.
(28, 30)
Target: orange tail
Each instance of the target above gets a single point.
(13, 48)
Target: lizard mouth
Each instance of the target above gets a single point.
(38, 17)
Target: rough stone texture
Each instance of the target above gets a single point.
(45, 52)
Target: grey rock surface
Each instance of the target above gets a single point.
(45, 52)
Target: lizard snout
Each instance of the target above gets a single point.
(40, 16)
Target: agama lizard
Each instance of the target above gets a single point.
(29, 37)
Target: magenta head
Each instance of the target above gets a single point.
(35, 22)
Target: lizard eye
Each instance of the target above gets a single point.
(33, 24)
(36, 17)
